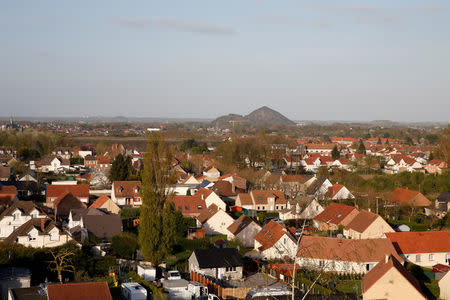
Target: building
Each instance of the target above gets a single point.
(8, 195)
(301, 208)
(262, 200)
(190, 206)
(224, 263)
(243, 229)
(275, 241)
(391, 281)
(93, 221)
(16, 215)
(339, 192)
(106, 203)
(126, 193)
(444, 286)
(402, 196)
(211, 198)
(38, 232)
(79, 291)
(367, 225)
(436, 166)
(343, 255)
(54, 191)
(333, 216)
(423, 248)
(214, 220)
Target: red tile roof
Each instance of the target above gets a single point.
(100, 201)
(79, 291)
(382, 268)
(207, 213)
(334, 189)
(191, 206)
(335, 213)
(420, 242)
(409, 197)
(270, 234)
(131, 189)
(7, 194)
(362, 221)
(364, 250)
(78, 190)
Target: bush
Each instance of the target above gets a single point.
(124, 244)
(127, 213)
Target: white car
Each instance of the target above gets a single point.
(173, 275)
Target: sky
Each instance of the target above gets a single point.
(309, 60)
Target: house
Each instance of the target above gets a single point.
(444, 286)
(25, 189)
(436, 166)
(126, 193)
(93, 221)
(211, 198)
(442, 203)
(214, 220)
(65, 203)
(8, 195)
(90, 162)
(423, 248)
(339, 192)
(103, 162)
(402, 196)
(53, 163)
(343, 255)
(275, 241)
(333, 216)
(5, 173)
(319, 187)
(38, 232)
(54, 191)
(190, 206)
(390, 280)
(367, 225)
(79, 291)
(302, 207)
(342, 163)
(238, 184)
(64, 152)
(295, 183)
(106, 203)
(323, 149)
(211, 172)
(224, 263)
(262, 200)
(402, 163)
(244, 229)
(16, 215)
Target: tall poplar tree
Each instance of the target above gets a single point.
(157, 229)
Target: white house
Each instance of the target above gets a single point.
(444, 286)
(214, 220)
(301, 208)
(126, 193)
(223, 263)
(423, 248)
(342, 255)
(16, 215)
(38, 232)
(274, 241)
(52, 163)
(211, 198)
(339, 192)
(244, 229)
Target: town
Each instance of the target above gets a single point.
(241, 207)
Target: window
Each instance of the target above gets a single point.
(54, 236)
(277, 207)
(199, 207)
(418, 258)
(230, 269)
(16, 216)
(367, 267)
(186, 207)
(258, 207)
(321, 263)
(31, 238)
(431, 257)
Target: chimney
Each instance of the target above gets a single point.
(203, 197)
(42, 224)
(386, 259)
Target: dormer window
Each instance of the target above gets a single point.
(136, 190)
(121, 189)
(16, 216)
(199, 207)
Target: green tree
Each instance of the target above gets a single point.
(335, 154)
(157, 229)
(323, 172)
(361, 147)
(121, 168)
(379, 142)
(124, 244)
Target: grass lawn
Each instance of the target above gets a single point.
(349, 286)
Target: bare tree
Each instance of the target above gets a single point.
(62, 261)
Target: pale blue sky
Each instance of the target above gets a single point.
(346, 60)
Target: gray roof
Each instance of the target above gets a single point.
(218, 258)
